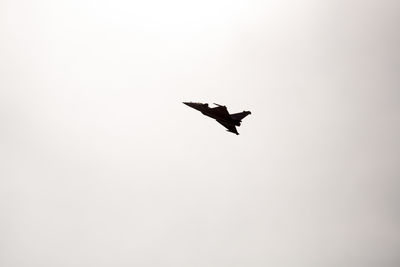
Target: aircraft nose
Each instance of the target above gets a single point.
(188, 104)
(195, 105)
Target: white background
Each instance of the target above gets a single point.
(102, 165)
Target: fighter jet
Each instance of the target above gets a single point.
(221, 115)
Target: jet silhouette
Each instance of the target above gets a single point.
(221, 115)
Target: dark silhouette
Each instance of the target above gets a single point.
(221, 115)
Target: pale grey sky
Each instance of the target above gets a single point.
(102, 165)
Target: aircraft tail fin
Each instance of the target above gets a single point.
(241, 115)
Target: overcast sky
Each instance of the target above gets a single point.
(102, 165)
